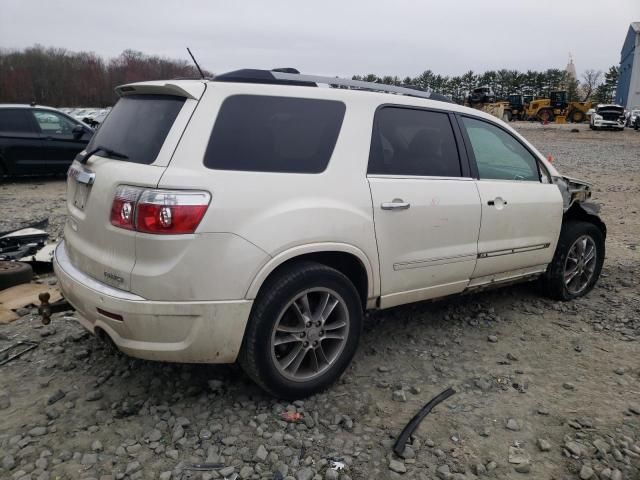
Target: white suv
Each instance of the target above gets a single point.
(256, 217)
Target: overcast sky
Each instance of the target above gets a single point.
(393, 37)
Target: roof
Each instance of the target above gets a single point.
(26, 105)
(636, 26)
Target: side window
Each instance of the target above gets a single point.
(413, 142)
(274, 134)
(53, 123)
(499, 156)
(13, 120)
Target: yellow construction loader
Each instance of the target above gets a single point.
(547, 109)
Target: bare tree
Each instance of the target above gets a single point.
(591, 80)
(58, 77)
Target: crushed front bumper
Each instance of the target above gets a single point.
(186, 332)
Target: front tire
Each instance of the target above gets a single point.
(577, 262)
(303, 331)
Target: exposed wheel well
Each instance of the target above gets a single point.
(346, 263)
(586, 212)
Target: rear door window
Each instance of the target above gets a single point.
(413, 142)
(13, 120)
(274, 134)
(138, 126)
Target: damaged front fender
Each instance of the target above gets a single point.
(575, 196)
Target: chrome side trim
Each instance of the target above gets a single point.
(505, 277)
(432, 262)
(510, 251)
(64, 262)
(416, 177)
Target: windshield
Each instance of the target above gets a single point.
(137, 126)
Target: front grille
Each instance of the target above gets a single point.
(612, 117)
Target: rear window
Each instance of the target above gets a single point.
(138, 126)
(274, 134)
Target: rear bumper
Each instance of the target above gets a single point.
(188, 332)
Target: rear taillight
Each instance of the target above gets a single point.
(169, 212)
(124, 206)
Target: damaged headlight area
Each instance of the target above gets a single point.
(572, 190)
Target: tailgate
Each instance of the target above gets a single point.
(132, 147)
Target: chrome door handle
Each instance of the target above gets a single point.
(397, 204)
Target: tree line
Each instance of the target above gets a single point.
(61, 78)
(594, 86)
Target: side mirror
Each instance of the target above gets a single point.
(77, 131)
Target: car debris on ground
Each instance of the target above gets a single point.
(16, 350)
(414, 423)
(27, 244)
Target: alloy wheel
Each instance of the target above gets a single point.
(580, 264)
(310, 334)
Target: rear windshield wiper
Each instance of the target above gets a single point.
(108, 151)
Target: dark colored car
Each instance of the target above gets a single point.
(481, 95)
(39, 140)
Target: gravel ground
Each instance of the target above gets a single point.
(544, 389)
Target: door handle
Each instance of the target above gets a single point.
(396, 204)
(498, 202)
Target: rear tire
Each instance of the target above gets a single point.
(571, 273)
(291, 348)
(545, 115)
(14, 273)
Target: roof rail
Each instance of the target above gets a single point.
(282, 76)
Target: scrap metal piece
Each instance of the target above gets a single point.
(413, 424)
(41, 225)
(28, 346)
(22, 242)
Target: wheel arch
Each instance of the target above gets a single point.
(588, 212)
(347, 259)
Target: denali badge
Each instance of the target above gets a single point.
(113, 277)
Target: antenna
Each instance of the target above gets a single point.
(194, 61)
